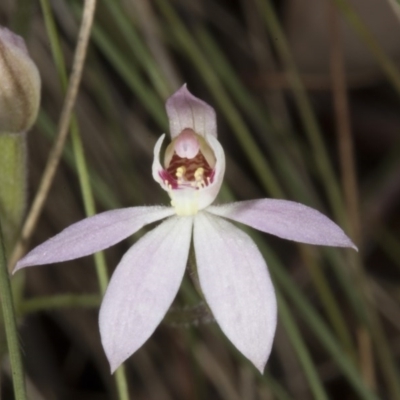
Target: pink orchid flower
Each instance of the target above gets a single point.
(233, 275)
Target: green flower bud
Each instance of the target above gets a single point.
(19, 84)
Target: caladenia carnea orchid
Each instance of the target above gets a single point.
(232, 273)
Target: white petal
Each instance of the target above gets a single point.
(157, 168)
(237, 287)
(143, 287)
(187, 111)
(93, 234)
(208, 194)
(286, 219)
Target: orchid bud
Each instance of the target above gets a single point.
(19, 84)
(19, 104)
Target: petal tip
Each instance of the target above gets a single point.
(115, 358)
(346, 242)
(22, 263)
(114, 365)
(182, 91)
(259, 361)
(17, 268)
(260, 367)
(188, 111)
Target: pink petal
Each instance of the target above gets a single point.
(93, 234)
(286, 219)
(157, 168)
(187, 111)
(143, 287)
(237, 287)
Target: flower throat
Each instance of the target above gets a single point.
(189, 162)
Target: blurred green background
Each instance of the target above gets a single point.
(307, 99)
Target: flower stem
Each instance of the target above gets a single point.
(12, 186)
(11, 326)
(387, 65)
(122, 385)
(297, 341)
(58, 301)
(63, 129)
(83, 175)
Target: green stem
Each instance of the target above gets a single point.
(11, 326)
(83, 174)
(139, 50)
(290, 167)
(130, 72)
(315, 322)
(59, 301)
(88, 200)
(300, 347)
(328, 301)
(12, 186)
(122, 384)
(104, 195)
(384, 61)
(306, 113)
